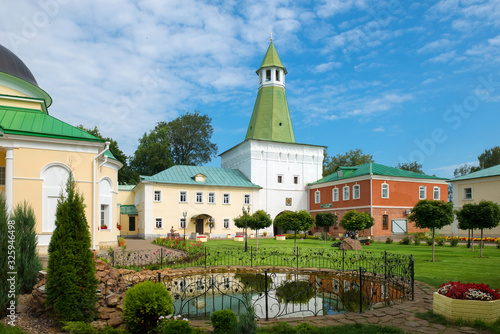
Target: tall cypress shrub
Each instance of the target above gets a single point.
(27, 262)
(4, 237)
(71, 282)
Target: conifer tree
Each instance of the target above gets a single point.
(27, 262)
(71, 282)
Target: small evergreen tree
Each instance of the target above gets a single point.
(294, 221)
(4, 246)
(71, 282)
(325, 220)
(27, 262)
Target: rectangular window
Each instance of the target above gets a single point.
(268, 75)
(385, 190)
(226, 223)
(211, 198)
(317, 197)
(199, 197)
(280, 178)
(247, 199)
(355, 191)
(346, 193)
(335, 194)
(182, 222)
(159, 223)
(295, 180)
(436, 193)
(104, 217)
(422, 192)
(385, 222)
(183, 196)
(2, 176)
(226, 199)
(467, 193)
(277, 75)
(157, 196)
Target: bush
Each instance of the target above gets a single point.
(79, 327)
(429, 241)
(224, 321)
(144, 304)
(111, 330)
(246, 322)
(440, 241)
(454, 241)
(325, 236)
(405, 241)
(389, 240)
(498, 244)
(7, 329)
(175, 326)
(71, 275)
(416, 240)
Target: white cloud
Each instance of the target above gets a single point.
(326, 67)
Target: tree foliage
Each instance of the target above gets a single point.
(432, 214)
(465, 169)
(485, 214)
(258, 220)
(325, 219)
(356, 221)
(349, 159)
(489, 158)
(27, 262)
(411, 166)
(294, 221)
(71, 282)
(125, 175)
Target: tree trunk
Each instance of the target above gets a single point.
(257, 239)
(472, 242)
(481, 245)
(433, 233)
(356, 246)
(295, 241)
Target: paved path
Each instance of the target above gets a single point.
(402, 316)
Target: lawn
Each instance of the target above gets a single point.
(452, 263)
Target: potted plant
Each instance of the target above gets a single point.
(264, 233)
(121, 242)
(104, 227)
(469, 301)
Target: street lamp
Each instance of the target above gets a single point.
(245, 213)
(210, 224)
(184, 214)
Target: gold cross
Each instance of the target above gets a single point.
(271, 36)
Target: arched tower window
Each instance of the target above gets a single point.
(54, 178)
(105, 201)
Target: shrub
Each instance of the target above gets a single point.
(27, 265)
(389, 240)
(193, 248)
(498, 244)
(7, 329)
(79, 327)
(223, 321)
(71, 275)
(144, 304)
(405, 241)
(111, 330)
(454, 241)
(246, 322)
(175, 326)
(470, 291)
(325, 236)
(440, 241)
(416, 240)
(429, 241)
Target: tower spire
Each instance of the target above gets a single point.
(271, 118)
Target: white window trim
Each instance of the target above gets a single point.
(471, 194)
(208, 198)
(196, 197)
(335, 190)
(434, 193)
(161, 222)
(278, 178)
(317, 197)
(425, 192)
(249, 199)
(180, 192)
(224, 197)
(228, 226)
(180, 223)
(382, 190)
(154, 196)
(298, 179)
(344, 193)
(354, 192)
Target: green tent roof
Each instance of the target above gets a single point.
(126, 187)
(215, 176)
(271, 118)
(376, 169)
(30, 122)
(271, 59)
(128, 210)
(487, 172)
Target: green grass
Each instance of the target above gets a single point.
(285, 328)
(6, 329)
(452, 263)
(478, 324)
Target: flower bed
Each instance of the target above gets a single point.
(181, 244)
(469, 301)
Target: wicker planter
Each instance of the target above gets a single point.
(452, 309)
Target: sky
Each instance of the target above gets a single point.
(402, 80)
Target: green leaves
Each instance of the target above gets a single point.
(356, 221)
(349, 159)
(432, 214)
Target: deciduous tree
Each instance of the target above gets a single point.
(489, 158)
(325, 220)
(349, 159)
(258, 220)
(294, 221)
(411, 166)
(355, 221)
(432, 214)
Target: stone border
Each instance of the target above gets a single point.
(453, 309)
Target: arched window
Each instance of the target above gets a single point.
(105, 200)
(54, 176)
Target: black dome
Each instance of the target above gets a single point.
(11, 64)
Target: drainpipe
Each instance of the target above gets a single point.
(371, 196)
(94, 232)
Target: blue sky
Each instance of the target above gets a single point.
(401, 80)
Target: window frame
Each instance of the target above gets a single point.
(280, 178)
(200, 193)
(211, 194)
(436, 188)
(157, 192)
(228, 224)
(385, 224)
(354, 191)
(182, 220)
(183, 193)
(245, 197)
(465, 198)
(228, 197)
(382, 190)
(344, 193)
(317, 197)
(335, 193)
(295, 179)
(158, 219)
(420, 188)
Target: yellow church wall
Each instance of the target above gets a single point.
(126, 197)
(4, 90)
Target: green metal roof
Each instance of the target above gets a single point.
(30, 122)
(110, 155)
(128, 210)
(376, 169)
(271, 59)
(487, 172)
(215, 176)
(271, 118)
(126, 187)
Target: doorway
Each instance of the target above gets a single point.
(131, 223)
(199, 226)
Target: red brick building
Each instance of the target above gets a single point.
(387, 193)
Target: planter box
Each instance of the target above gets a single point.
(229, 236)
(250, 235)
(280, 237)
(452, 309)
(239, 238)
(201, 238)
